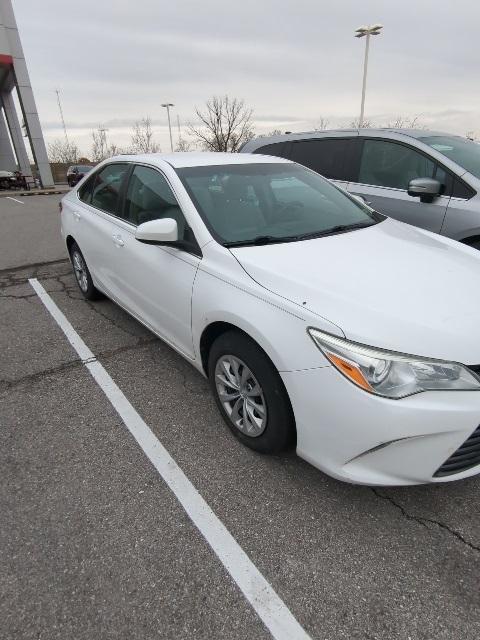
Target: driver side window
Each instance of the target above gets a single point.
(388, 164)
(149, 197)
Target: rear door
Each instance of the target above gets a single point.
(384, 171)
(97, 219)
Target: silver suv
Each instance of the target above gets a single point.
(426, 178)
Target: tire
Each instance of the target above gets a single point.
(82, 274)
(270, 424)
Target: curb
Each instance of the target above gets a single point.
(49, 192)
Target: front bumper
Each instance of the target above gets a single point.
(358, 437)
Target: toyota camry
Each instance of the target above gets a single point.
(319, 323)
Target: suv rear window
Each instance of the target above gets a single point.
(325, 156)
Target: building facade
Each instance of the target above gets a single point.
(14, 75)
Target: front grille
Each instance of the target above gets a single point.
(465, 457)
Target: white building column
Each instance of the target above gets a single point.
(11, 50)
(8, 162)
(16, 133)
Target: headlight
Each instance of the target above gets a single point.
(390, 374)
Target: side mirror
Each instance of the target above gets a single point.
(162, 231)
(426, 189)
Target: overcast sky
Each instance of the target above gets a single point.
(292, 61)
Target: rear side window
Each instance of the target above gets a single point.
(106, 187)
(85, 191)
(388, 164)
(326, 156)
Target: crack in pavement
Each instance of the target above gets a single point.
(14, 279)
(6, 385)
(423, 521)
(69, 292)
(33, 265)
(11, 296)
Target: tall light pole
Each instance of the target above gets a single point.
(167, 106)
(372, 30)
(61, 115)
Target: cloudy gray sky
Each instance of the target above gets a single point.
(292, 61)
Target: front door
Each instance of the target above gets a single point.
(385, 171)
(155, 282)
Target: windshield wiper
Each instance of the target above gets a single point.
(260, 240)
(340, 228)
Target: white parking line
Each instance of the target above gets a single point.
(257, 590)
(14, 199)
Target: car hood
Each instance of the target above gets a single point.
(390, 285)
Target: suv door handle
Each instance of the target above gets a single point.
(117, 240)
(77, 216)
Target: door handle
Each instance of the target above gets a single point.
(77, 216)
(117, 240)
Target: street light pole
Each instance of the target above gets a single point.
(61, 115)
(372, 30)
(167, 105)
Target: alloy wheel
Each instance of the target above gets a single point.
(241, 395)
(80, 269)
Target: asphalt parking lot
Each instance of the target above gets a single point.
(93, 543)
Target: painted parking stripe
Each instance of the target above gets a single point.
(257, 590)
(14, 199)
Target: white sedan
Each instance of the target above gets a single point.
(320, 323)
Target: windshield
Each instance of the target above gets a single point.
(84, 168)
(260, 203)
(462, 151)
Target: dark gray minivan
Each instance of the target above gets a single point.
(426, 178)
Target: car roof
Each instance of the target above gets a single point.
(198, 159)
(305, 135)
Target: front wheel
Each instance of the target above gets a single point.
(250, 394)
(82, 274)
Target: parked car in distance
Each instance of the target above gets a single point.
(76, 172)
(7, 180)
(300, 304)
(426, 178)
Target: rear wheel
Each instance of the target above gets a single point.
(250, 394)
(82, 274)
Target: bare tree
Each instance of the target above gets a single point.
(114, 150)
(63, 151)
(99, 145)
(269, 134)
(225, 124)
(183, 144)
(321, 124)
(142, 137)
(100, 148)
(366, 124)
(405, 122)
